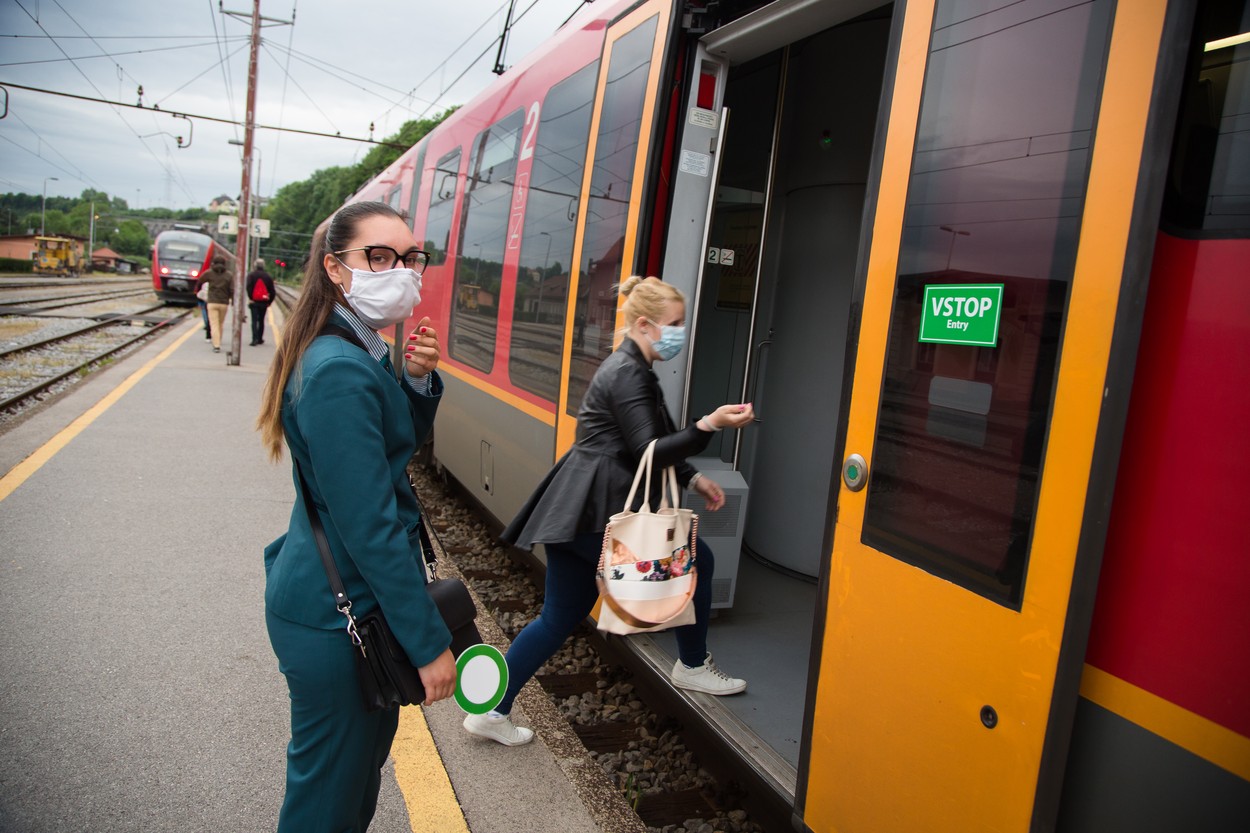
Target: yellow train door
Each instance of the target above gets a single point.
(1009, 185)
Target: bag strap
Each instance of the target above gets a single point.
(429, 556)
(644, 466)
(668, 483)
(332, 329)
(341, 602)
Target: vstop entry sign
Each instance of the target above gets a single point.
(962, 314)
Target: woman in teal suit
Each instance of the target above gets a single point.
(352, 427)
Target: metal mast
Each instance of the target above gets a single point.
(245, 226)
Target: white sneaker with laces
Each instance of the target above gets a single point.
(706, 678)
(499, 728)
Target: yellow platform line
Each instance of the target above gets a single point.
(1192, 732)
(18, 475)
(431, 800)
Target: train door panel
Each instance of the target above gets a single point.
(779, 258)
(610, 202)
(997, 250)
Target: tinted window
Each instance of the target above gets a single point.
(547, 246)
(612, 177)
(442, 203)
(416, 188)
(995, 197)
(1208, 185)
(483, 238)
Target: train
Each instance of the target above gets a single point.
(56, 256)
(179, 256)
(981, 266)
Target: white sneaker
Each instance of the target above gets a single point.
(706, 678)
(499, 728)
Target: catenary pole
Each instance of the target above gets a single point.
(245, 195)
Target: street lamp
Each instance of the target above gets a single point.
(954, 233)
(542, 278)
(43, 212)
(254, 208)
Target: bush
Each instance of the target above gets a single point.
(13, 264)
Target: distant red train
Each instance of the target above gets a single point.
(179, 256)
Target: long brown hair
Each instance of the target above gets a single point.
(318, 297)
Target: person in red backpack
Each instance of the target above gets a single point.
(260, 293)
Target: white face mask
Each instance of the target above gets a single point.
(383, 299)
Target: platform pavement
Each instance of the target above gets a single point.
(139, 691)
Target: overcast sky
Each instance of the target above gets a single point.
(343, 65)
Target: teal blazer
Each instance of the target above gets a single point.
(353, 427)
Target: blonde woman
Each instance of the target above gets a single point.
(622, 412)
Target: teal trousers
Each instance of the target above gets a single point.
(337, 750)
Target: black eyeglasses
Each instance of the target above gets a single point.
(381, 258)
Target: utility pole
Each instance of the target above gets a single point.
(245, 225)
(245, 192)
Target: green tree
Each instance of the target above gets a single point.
(130, 238)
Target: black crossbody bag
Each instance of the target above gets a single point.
(386, 675)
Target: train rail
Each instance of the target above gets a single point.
(20, 306)
(666, 769)
(65, 330)
(66, 367)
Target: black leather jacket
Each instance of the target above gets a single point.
(623, 410)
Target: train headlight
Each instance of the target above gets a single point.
(195, 273)
(164, 270)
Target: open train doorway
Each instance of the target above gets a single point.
(770, 319)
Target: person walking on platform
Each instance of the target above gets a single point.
(260, 294)
(352, 427)
(622, 412)
(219, 286)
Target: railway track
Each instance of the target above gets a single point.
(647, 753)
(50, 339)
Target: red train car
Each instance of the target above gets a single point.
(987, 583)
(179, 256)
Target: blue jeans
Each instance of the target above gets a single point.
(570, 595)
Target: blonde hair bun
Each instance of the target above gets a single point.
(646, 298)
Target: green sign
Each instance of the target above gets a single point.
(481, 678)
(962, 314)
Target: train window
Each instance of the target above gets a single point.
(547, 246)
(482, 242)
(996, 193)
(393, 199)
(1208, 184)
(442, 202)
(416, 188)
(611, 180)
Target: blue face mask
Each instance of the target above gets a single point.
(670, 342)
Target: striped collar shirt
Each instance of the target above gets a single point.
(424, 385)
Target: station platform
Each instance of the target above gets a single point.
(139, 690)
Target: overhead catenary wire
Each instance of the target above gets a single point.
(277, 144)
(109, 55)
(172, 170)
(473, 63)
(198, 116)
(225, 64)
(146, 147)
